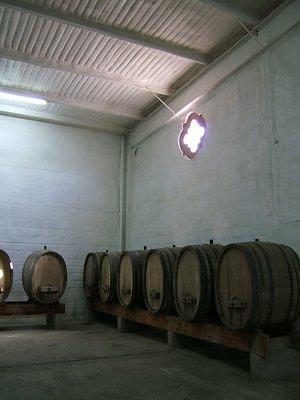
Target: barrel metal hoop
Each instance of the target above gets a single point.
(133, 255)
(206, 284)
(293, 314)
(271, 280)
(92, 290)
(28, 274)
(256, 279)
(113, 259)
(167, 295)
(297, 273)
(8, 284)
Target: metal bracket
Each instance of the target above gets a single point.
(154, 294)
(105, 288)
(235, 302)
(48, 289)
(126, 291)
(188, 299)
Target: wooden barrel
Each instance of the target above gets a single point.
(194, 281)
(107, 277)
(90, 275)
(129, 278)
(258, 286)
(6, 275)
(44, 276)
(158, 280)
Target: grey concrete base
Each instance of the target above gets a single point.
(91, 316)
(282, 361)
(125, 325)
(92, 362)
(174, 340)
(51, 321)
(54, 321)
(295, 340)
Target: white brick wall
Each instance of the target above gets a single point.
(59, 187)
(245, 182)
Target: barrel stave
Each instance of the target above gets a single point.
(129, 278)
(6, 275)
(158, 280)
(44, 276)
(107, 277)
(193, 282)
(90, 275)
(257, 286)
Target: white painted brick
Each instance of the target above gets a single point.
(60, 188)
(243, 185)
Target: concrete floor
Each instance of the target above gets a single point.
(96, 361)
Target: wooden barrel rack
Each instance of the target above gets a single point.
(256, 343)
(21, 308)
(263, 349)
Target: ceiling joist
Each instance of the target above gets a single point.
(64, 120)
(76, 69)
(103, 108)
(112, 31)
(232, 7)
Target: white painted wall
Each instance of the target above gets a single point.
(60, 188)
(245, 183)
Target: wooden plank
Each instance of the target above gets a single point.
(257, 343)
(24, 308)
(136, 315)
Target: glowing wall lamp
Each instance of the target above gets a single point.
(21, 99)
(190, 139)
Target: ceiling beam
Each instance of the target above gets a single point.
(64, 120)
(76, 69)
(232, 7)
(121, 112)
(103, 29)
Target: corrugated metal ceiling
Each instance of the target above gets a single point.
(188, 23)
(95, 73)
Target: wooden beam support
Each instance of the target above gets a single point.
(77, 69)
(272, 29)
(121, 112)
(108, 30)
(25, 308)
(257, 343)
(62, 120)
(232, 7)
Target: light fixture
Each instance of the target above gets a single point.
(21, 99)
(1, 273)
(190, 139)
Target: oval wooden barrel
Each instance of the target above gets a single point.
(129, 278)
(90, 275)
(193, 281)
(6, 275)
(258, 286)
(107, 277)
(158, 280)
(44, 276)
